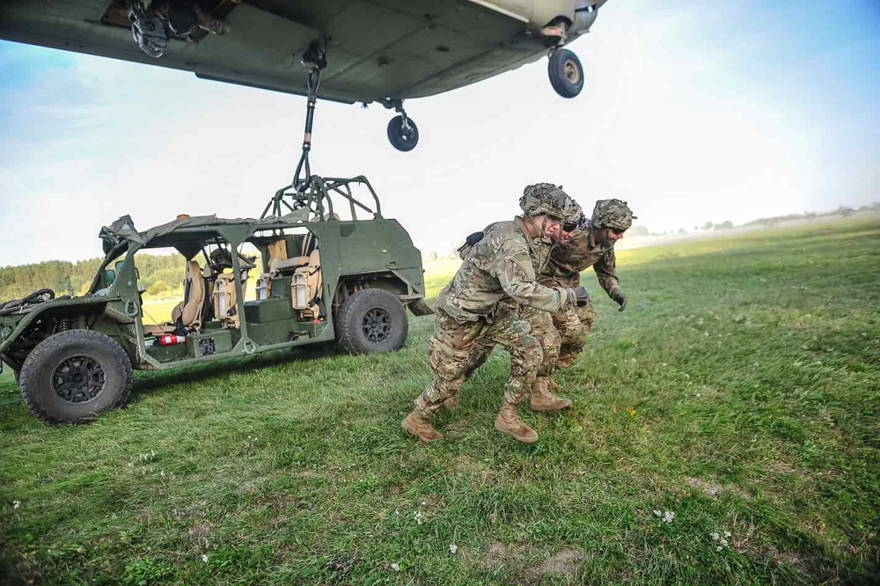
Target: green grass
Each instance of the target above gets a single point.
(739, 390)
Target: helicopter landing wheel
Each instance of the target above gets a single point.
(403, 133)
(566, 73)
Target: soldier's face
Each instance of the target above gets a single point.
(610, 236)
(552, 228)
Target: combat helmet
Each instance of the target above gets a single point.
(612, 213)
(574, 216)
(545, 198)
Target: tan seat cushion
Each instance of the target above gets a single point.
(190, 310)
(277, 251)
(315, 281)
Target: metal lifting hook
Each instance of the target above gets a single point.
(314, 59)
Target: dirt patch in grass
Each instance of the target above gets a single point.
(710, 488)
(496, 554)
(563, 563)
(200, 530)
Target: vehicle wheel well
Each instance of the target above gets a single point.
(351, 284)
(48, 323)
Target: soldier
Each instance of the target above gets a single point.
(480, 305)
(589, 244)
(581, 244)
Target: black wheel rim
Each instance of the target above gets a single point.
(78, 379)
(376, 325)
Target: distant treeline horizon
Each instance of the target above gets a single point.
(159, 273)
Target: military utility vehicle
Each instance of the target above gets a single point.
(321, 278)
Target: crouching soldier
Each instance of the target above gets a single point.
(479, 307)
(589, 244)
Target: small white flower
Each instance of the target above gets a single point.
(658, 513)
(205, 558)
(419, 516)
(453, 548)
(395, 567)
(719, 548)
(668, 516)
(16, 504)
(714, 536)
(727, 534)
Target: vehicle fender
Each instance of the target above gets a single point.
(47, 308)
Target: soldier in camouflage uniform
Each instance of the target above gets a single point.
(480, 304)
(544, 325)
(582, 243)
(591, 244)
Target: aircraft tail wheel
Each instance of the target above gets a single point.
(566, 73)
(403, 134)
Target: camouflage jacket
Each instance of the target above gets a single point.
(582, 252)
(498, 267)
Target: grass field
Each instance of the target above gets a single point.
(724, 430)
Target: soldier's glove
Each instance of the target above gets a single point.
(582, 296)
(619, 298)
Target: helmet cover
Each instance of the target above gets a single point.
(612, 213)
(545, 198)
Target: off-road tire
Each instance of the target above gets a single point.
(371, 320)
(566, 73)
(42, 378)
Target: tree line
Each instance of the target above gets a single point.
(160, 274)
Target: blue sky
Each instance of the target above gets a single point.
(692, 112)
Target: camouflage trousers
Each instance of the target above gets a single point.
(455, 347)
(562, 336)
(542, 327)
(573, 326)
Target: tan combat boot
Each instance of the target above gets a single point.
(543, 400)
(509, 422)
(420, 426)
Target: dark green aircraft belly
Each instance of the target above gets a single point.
(377, 49)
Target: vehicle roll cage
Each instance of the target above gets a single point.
(315, 195)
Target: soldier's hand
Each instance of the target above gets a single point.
(619, 298)
(582, 296)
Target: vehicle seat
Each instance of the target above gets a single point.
(314, 284)
(226, 300)
(277, 252)
(189, 311)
